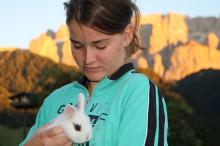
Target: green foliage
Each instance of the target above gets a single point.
(207, 128)
(54, 77)
(181, 132)
(10, 136)
(17, 119)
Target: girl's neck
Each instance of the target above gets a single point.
(91, 86)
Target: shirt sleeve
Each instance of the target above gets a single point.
(40, 121)
(144, 119)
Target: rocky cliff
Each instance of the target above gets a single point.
(54, 45)
(165, 30)
(174, 45)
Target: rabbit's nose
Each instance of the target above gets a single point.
(87, 137)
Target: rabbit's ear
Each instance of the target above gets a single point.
(81, 102)
(69, 111)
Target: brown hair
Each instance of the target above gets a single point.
(106, 16)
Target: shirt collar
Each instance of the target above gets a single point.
(120, 72)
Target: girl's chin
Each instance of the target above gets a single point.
(95, 77)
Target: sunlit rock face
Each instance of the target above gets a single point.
(190, 58)
(213, 40)
(67, 57)
(44, 46)
(62, 33)
(54, 45)
(7, 49)
(158, 65)
(165, 30)
(176, 45)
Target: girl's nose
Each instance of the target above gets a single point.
(89, 55)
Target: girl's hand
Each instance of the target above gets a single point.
(51, 137)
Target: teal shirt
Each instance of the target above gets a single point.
(125, 110)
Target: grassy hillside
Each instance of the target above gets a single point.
(21, 71)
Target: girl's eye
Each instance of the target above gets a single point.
(101, 47)
(77, 46)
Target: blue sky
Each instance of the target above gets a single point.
(23, 20)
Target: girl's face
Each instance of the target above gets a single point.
(98, 54)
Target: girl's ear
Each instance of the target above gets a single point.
(128, 34)
(81, 102)
(69, 112)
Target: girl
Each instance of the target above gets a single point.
(125, 107)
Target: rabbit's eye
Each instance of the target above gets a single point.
(77, 127)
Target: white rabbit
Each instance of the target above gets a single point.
(76, 123)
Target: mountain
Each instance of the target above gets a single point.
(200, 27)
(7, 49)
(22, 71)
(173, 45)
(189, 58)
(201, 90)
(44, 46)
(163, 31)
(55, 46)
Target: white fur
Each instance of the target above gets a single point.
(79, 117)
